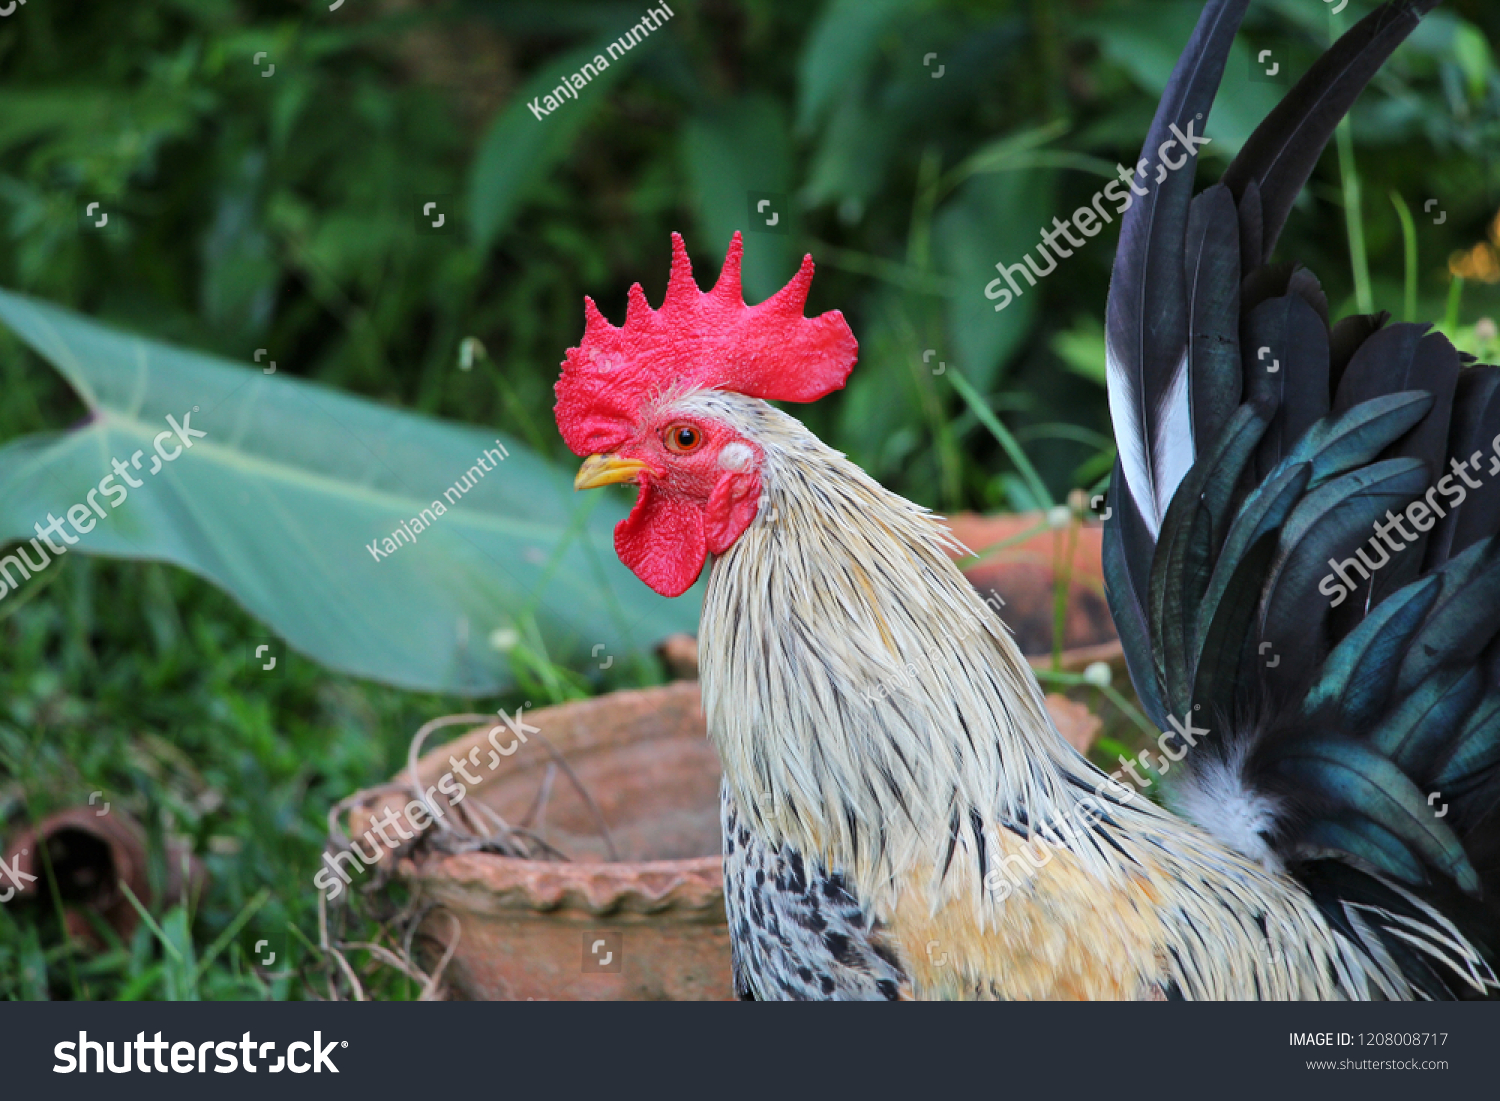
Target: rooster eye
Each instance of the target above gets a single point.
(683, 437)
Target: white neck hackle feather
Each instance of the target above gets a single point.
(870, 653)
(840, 587)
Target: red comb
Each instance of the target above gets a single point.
(698, 341)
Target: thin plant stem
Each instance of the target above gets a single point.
(944, 440)
(56, 896)
(1359, 261)
(1116, 697)
(1009, 541)
(1062, 572)
(919, 258)
(230, 932)
(1003, 435)
(993, 163)
(32, 590)
(1008, 154)
(1074, 432)
(1455, 298)
(919, 237)
(887, 271)
(166, 941)
(1409, 252)
(300, 935)
(1072, 680)
(1049, 49)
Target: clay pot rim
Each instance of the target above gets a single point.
(688, 885)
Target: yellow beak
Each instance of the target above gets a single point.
(603, 470)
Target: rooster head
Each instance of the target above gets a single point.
(623, 402)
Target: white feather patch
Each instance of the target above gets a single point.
(1153, 468)
(1129, 437)
(736, 456)
(1215, 796)
(1172, 450)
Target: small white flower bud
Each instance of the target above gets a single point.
(1098, 674)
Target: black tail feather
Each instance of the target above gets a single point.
(1354, 676)
(1474, 431)
(1148, 310)
(1281, 153)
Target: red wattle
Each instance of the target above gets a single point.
(662, 541)
(665, 539)
(731, 507)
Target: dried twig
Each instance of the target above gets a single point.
(358, 990)
(437, 972)
(583, 793)
(416, 747)
(537, 812)
(392, 959)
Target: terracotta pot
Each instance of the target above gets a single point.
(92, 852)
(1023, 576)
(647, 926)
(527, 928)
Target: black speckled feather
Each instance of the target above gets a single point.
(797, 932)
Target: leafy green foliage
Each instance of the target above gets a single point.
(377, 542)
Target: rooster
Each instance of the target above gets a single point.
(901, 819)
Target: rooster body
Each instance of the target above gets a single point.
(901, 818)
(859, 832)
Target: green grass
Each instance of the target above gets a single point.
(133, 680)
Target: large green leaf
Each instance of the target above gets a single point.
(849, 161)
(280, 502)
